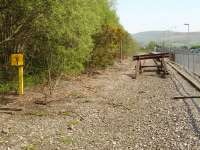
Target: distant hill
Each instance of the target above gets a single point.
(169, 37)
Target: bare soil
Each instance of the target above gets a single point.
(106, 111)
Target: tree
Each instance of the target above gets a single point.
(152, 45)
(60, 36)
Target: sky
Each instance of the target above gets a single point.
(149, 15)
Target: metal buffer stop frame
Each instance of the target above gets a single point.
(17, 60)
(158, 58)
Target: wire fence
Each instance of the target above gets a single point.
(187, 59)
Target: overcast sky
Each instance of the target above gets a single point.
(148, 15)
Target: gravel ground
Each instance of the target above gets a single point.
(107, 111)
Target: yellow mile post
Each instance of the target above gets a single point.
(18, 61)
(21, 80)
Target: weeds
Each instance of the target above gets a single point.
(39, 113)
(67, 140)
(29, 147)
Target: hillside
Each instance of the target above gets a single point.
(175, 38)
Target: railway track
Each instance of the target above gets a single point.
(195, 82)
(191, 101)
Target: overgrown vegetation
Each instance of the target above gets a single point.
(60, 37)
(195, 47)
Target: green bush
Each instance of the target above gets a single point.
(7, 87)
(61, 36)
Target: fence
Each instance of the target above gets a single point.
(186, 58)
(190, 61)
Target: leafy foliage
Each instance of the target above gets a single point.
(61, 36)
(195, 47)
(151, 46)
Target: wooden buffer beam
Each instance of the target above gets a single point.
(158, 58)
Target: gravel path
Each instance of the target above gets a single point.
(108, 111)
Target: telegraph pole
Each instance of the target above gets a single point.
(188, 29)
(188, 26)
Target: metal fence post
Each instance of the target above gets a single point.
(188, 62)
(198, 64)
(193, 64)
(183, 58)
